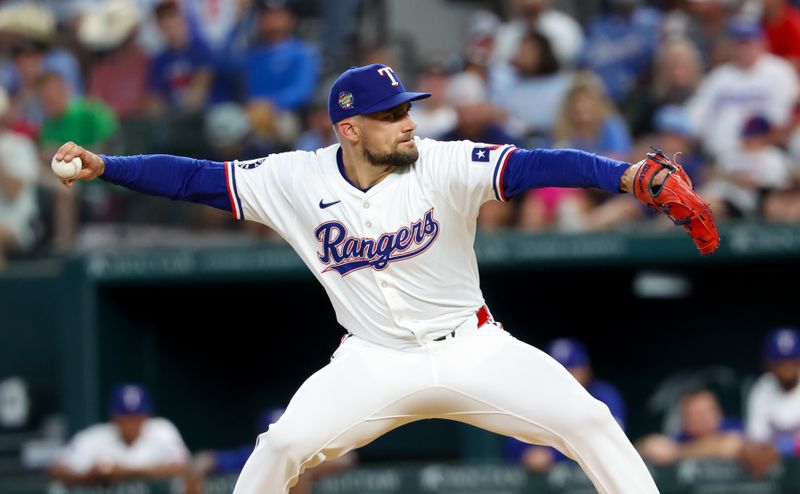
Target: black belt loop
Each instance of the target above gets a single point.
(483, 317)
(442, 338)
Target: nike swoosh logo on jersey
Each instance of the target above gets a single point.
(323, 205)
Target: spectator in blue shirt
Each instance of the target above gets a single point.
(181, 75)
(572, 354)
(620, 46)
(280, 67)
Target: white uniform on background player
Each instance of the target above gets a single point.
(386, 222)
(773, 405)
(754, 83)
(132, 445)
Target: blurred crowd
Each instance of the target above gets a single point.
(713, 82)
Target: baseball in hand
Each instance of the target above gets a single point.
(67, 169)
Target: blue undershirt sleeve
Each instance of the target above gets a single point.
(174, 177)
(530, 169)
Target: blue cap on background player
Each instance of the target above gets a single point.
(569, 352)
(743, 28)
(130, 399)
(367, 89)
(782, 344)
(756, 126)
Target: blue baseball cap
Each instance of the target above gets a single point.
(569, 352)
(756, 125)
(130, 399)
(782, 343)
(743, 28)
(367, 89)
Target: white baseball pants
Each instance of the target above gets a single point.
(484, 377)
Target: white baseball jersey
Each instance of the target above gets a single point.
(159, 444)
(396, 260)
(772, 413)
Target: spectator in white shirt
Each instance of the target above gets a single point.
(19, 171)
(134, 445)
(773, 406)
(565, 34)
(754, 83)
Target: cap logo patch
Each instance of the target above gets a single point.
(345, 100)
(786, 342)
(131, 398)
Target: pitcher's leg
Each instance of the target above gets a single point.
(516, 390)
(350, 402)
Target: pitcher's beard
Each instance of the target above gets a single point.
(395, 158)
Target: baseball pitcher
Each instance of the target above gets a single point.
(386, 222)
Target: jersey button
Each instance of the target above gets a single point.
(366, 205)
(369, 224)
(384, 284)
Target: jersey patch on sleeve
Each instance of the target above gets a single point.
(481, 154)
(250, 164)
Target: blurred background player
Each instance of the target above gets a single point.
(773, 406)
(704, 432)
(132, 445)
(572, 354)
